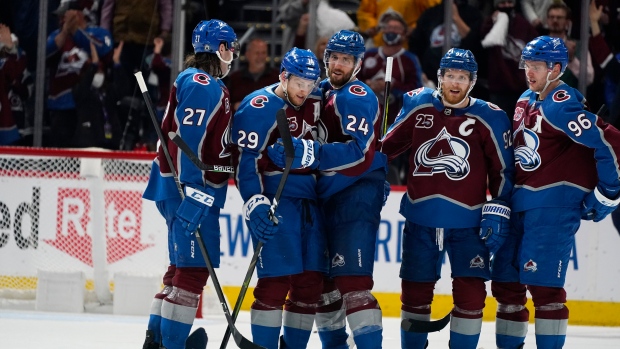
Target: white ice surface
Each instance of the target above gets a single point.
(20, 329)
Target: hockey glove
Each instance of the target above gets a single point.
(193, 207)
(597, 206)
(306, 153)
(495, 224)
(386, 191)
(256, 212)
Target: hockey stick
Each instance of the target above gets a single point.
(241, 341)
(386, 98)
(289, 150)
(197, 339)
(176, 139)
(420, 326)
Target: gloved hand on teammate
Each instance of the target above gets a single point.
(193, 207)
(386, 191)
(597, 206)
(256, 212)
(306, 153)
(495, 224)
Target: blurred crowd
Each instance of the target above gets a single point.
(94, 47)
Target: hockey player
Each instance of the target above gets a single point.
(351, 189)
(566, 170)
(293, 258)
(199, 111)
(456, 142)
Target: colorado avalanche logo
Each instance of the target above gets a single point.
(337, 261)
(526, 144)
(259, 101)
(307, 129)
(493, 106)
(415, 92)
(201, 78)
(477, 262)
(357, 90)
(530, 266)
(561, 96)
(226, 140)
(444, 153)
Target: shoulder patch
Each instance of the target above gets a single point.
(259, 101)
(493, 106)
(201, 78)
(561, 96)
(358, 90)
(417, 91)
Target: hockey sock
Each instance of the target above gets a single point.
(266, 311)
(178, 312)
(154, 325)
(512, 316)
(362, 309)
(551, 316)
(416, 304)
(331, 317)
(300, 308)
(469, 294)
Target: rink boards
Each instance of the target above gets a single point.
(136, 240)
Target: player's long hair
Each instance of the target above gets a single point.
(209, 62)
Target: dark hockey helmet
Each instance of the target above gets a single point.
(458, 58)
(208, 35)
(347, 42)
(302, 63)
(545, 49)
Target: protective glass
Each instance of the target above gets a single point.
(456, 77)
(234, 48)
(535, 66)
(342, 59)
(299, 83)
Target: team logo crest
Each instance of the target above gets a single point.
(518, 113)
(443, 154)
(561, 96)
(337, 261)
(477, 262)
(530, 266)
(357, 90)
(415, 92)
(259, 101)
(526, 144)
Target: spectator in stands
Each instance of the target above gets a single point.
(406, 76)
(558, 23)
(608, 62)
(96, 97)
(159, 70)
(535, 11)
(427, 39)
(370, 12)
(295, 13)
(137, 23)
(505, 34)
(256, 75)
(68, 49)
(12, 68)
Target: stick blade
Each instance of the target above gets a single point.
(197, 339)
(420, 326)
(285, 133)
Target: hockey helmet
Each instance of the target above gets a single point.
(545, 49)
(301, 63)
(458, 58)
(347, 42)
(208, 35)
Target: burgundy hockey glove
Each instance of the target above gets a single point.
(306, 153)
(256, 212)
(597, 206)
(495, 224)
(193, 207)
